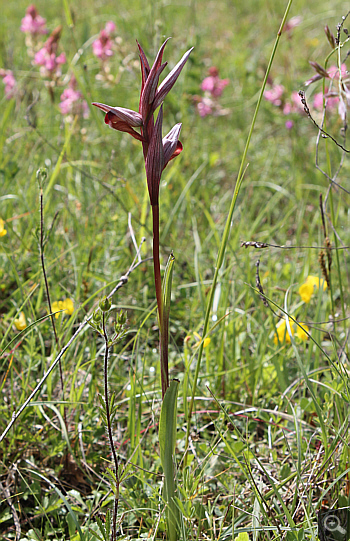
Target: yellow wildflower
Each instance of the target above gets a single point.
(306, 290)
(3, 231)
(20, 323)
(67, 306)
(206, 340)
(283, 334)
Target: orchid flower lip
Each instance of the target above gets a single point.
(129, 116)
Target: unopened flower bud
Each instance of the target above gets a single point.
(41, 176)
(319, 69)
(105, 304)
(97, 316)
(330, 37)
(122, 316)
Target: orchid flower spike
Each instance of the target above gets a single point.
(157, 151)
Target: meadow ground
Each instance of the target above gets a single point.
(268, 440)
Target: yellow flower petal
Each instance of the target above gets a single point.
(55, 306)
(206, 342)
(312, 282)
(198, 338)
(3, 231)
(20, 323)
(316, 282)
(68, 306)
(301, 332)
(282, 332)
(306, 290)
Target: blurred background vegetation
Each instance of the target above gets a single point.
(263, 451)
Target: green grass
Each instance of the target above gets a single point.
(269, 441)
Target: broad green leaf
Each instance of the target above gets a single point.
(167, 441)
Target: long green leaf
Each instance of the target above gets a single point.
(167, 441)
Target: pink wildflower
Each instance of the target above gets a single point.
(205, 106)
(32, 22)
(212, 87)
(102, 47)
(9, 82)
(50, 62)
(287, 108)
(213, 84)
(318, 101)
(333, 72)
(289, 124)
(46, 57)
(72, 102)
(331, 101)
(292, 23)
(274, 95)
(110, 27)
(295, 106)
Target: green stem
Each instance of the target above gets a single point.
(227, 229)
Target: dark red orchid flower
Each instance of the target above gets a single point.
(157, 151)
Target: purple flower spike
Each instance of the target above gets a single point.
(157, 151)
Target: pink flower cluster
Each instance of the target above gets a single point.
(9, 82)
(212, 86)
(330, 101)
(275, 95)
(102, 47)
(33, 23)
(72, 101)
(337, 95)
(47, 59)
